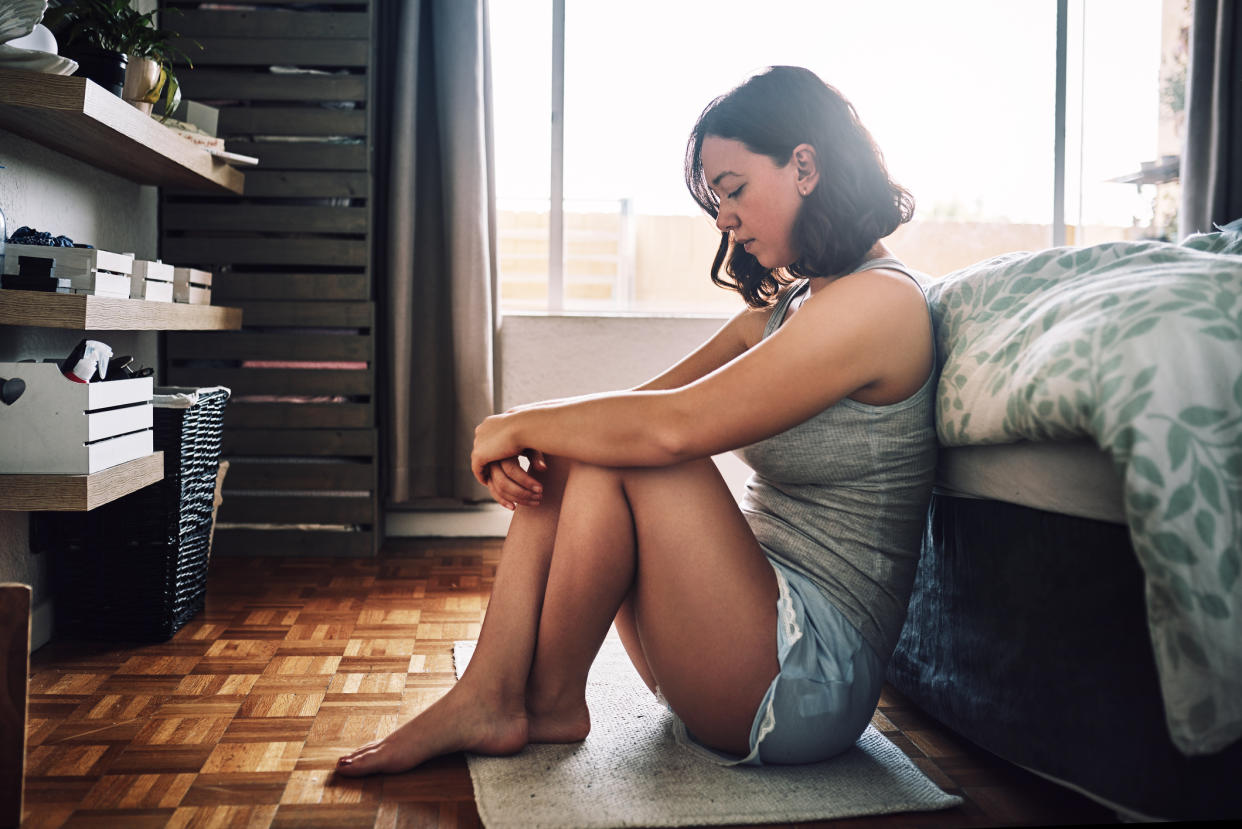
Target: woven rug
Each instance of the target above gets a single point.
(631, 772)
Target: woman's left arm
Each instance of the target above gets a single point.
(859, 331)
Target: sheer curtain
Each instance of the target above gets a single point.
(1211, 172)
(436, 243)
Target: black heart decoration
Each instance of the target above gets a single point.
(12, 389)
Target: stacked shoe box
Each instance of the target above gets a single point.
(151, 280)
(192, 286)
(74, 270)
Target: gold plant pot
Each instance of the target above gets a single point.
(143, 81)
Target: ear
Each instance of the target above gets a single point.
(806, 166)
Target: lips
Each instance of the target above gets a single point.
(746, 243)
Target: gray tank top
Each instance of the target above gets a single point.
(842, 497)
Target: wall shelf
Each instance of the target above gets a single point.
(97, 313)
(79, 492)
(82, 120)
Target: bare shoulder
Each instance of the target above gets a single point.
(889, 296)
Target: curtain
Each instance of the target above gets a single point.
(1211, 173)
(435, 244)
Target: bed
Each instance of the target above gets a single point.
(1077, 607)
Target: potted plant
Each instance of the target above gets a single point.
(121, 49)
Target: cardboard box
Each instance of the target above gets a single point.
(59, 427)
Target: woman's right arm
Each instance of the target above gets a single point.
(511, 485)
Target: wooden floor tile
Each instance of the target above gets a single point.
(250, 788)
(138, 791)
(222, 817)
(239, 719)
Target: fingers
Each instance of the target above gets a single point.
(512, 467)
(508, 492)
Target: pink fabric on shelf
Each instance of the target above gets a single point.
(340, 364)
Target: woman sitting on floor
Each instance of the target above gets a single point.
(765, 628)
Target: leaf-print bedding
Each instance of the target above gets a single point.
(1137, 345)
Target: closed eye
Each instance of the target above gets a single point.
(736, 192)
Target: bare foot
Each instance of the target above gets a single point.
(568, 724)
(456, 722)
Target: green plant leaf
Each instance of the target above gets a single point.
(1213, 605)
(1209, 487)
(1178, 444)
(1237, 390)
(1143, 502)
(1133, 408)
(1201, 415)
(1190, 648)
(1109, 387)
(1143, 377)
(1221, 332)
(1204, 314)
(1181, 592)
(1140, 327)
(1233, 465)
(1147, 469)
(1059, 367)
(1205, 525)
(1171, 547)
(1228, 568)
(1182, 499)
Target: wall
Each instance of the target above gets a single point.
(47, 191)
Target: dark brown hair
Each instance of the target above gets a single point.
(854, 205)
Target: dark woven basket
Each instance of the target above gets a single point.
(136, 568)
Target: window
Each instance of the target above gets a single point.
(959, 95)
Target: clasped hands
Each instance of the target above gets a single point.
(496, 463)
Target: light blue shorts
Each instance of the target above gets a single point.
(827, 689)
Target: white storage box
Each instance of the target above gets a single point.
(192, 286)
(99, 283)
(70, 261)
(151, 280)
(58, 426)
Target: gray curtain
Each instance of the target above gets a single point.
(1211, 173)
(435, 244)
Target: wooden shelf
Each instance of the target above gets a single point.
(79, 492)
(82, 120)
(97, 313)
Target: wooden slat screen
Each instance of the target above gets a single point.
(294, 252)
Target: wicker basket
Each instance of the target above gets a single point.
(136, 568)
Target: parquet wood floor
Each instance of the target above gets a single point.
(238, 720)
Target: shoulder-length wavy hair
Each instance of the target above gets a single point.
(854, 205)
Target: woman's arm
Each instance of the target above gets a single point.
(511, 484)
(868, 329)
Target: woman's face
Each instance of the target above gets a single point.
(759, 199)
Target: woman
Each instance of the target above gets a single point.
(765, 629)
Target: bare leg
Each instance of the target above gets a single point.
(485, 711)
(703, 597)
(668, 548)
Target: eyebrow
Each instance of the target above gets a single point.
(716, 180)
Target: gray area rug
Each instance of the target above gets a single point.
(631, 772)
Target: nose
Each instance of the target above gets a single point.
(725, 220)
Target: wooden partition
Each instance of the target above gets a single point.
(292, 82)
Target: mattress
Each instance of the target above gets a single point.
(1067, 477)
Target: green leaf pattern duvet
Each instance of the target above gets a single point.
(1137, 345)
